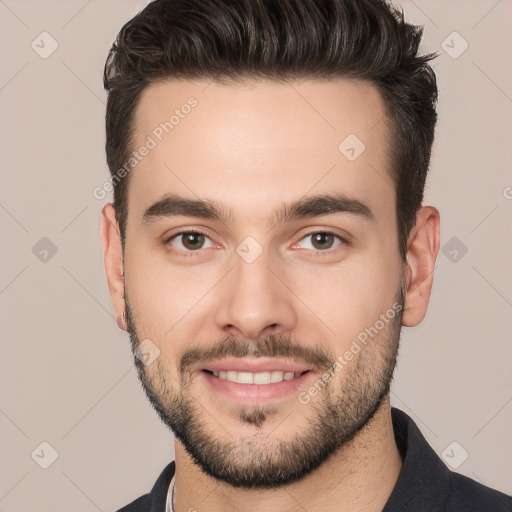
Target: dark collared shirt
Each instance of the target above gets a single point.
(425, 484)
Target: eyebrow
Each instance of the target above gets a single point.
(322, 204)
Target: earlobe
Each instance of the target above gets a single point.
(422, 250)
(113, 260)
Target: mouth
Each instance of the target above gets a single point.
(260, 378)
(240, 380)
(256, 381)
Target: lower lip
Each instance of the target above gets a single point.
(234, 390)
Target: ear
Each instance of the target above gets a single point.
(422, 249)
(113, 259)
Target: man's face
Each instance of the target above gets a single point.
(280, 295)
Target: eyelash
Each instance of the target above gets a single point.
(188, 254)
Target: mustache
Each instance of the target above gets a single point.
(273, 346)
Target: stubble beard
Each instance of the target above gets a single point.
(259, 461)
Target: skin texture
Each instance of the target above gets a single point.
(252, 148)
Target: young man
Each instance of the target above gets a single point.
(266, 244)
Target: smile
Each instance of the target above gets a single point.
(270, 377)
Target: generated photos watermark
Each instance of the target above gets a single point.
(152, 141)
(343, 360)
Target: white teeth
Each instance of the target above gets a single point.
(262, 378)
(276, 376)
(243, 377)
(256, 378)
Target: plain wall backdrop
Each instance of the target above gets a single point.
(67, 378)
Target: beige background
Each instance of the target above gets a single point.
(66, 375)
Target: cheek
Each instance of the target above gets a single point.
(150, 293)
(165, 299)
(351, 297)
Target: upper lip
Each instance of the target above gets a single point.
(255, 366)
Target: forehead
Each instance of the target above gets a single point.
(248, 145)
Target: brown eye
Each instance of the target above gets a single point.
(192, 241)
(189, 241)
(322, 241)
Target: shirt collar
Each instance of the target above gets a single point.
(423, 474)
(168, 503)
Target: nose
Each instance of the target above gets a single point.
(254, 301)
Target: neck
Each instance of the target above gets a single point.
(360, 476)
